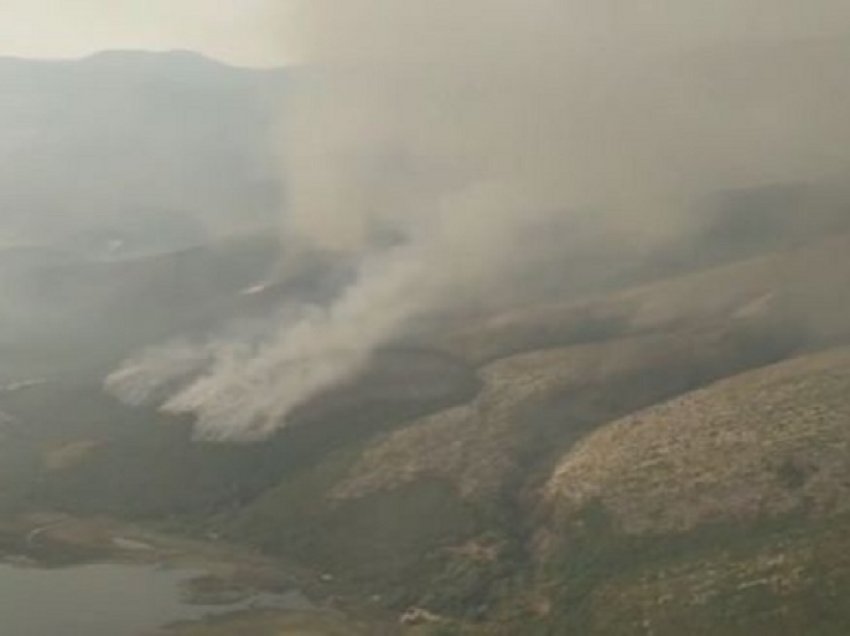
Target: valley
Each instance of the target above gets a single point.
(521, 471)
(468, 409)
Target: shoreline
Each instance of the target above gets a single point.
(51, 540)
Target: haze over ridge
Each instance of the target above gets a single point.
(459, 128)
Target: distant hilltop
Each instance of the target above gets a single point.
(136, 146)
(119, 58)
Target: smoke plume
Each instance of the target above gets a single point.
(456, 127)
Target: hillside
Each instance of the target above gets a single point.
(516, 469)
(800, 287)
(630, 444)
(135, 152)
(700, 459)
(474, 470)
(549, 339)
(86, 312)
(725, 509)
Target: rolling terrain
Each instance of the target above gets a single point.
(671, 450)
(635, 444)
(130, 153)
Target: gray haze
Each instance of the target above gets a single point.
(142, 149)
(236, 31)
(460, 127)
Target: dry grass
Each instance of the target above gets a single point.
(475, 446)
(807, 284)
(768, 589)
(763, 443)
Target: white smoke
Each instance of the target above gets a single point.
(141, 378)
(459, 124)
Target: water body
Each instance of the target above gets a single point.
(107, 600)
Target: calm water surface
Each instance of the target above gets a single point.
(106, 600)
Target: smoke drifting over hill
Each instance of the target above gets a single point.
(460, 127)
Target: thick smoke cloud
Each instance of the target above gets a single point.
(457, 127)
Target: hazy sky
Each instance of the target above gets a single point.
(237, 31)
(254, 32)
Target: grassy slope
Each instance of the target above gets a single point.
(725, 510)
(448, 496)
(430, 501)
